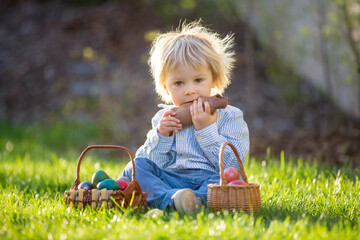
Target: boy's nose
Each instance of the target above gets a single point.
(189, 89)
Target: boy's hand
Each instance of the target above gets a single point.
(168, 124)
(200, 117)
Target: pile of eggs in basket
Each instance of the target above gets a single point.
(232, 176)
(101, 180)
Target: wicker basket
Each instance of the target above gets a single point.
(131, 196)
(233, 197)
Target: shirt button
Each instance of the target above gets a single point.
(181, 138)
(156, 138)
(200, 138)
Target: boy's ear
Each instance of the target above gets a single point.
(166, 90)
(213, 84)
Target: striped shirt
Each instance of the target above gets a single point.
(191, 149)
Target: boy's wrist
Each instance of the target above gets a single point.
(199, 127)
(165, 139)
(164, 134)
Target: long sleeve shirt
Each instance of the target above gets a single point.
(191, 149)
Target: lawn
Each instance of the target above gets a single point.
(300, 199)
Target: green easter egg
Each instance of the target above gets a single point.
(98, 176)
(109, 184)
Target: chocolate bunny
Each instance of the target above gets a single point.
(183, 112)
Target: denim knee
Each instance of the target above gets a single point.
(140, 164)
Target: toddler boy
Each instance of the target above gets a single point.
(176, 163)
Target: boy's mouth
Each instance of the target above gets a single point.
(191, 101)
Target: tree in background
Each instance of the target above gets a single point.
(349, 18)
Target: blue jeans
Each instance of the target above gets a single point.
(161, 184)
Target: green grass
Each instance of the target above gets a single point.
(300, 199)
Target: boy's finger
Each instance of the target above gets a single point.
(192, 108)
(169, 119)
(200, 105)
(173, 124)
(207, 107)
(172, 128)
(167, 122)
(172, 119)
(196, 107)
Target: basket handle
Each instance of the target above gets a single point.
(77, 180)
(221, 163)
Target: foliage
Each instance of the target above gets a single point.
(24, 138)
(319, 40)
(300, 200)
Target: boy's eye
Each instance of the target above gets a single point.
(198, 80)
(178, 83)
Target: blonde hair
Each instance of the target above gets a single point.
(195, 45)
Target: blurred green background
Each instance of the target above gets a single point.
(74, 72)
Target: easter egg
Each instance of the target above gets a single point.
(85, 185)
(109, 184)
(126, 179)
(237, 182)
(98, 176)
(123, 185)
(231, 174)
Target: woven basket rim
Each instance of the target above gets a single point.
(89, 190)
(248, 185)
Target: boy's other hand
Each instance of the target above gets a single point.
(168, 124)
(202, 117)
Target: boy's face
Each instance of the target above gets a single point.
(186, 84)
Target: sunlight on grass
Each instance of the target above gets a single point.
(300, 200)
